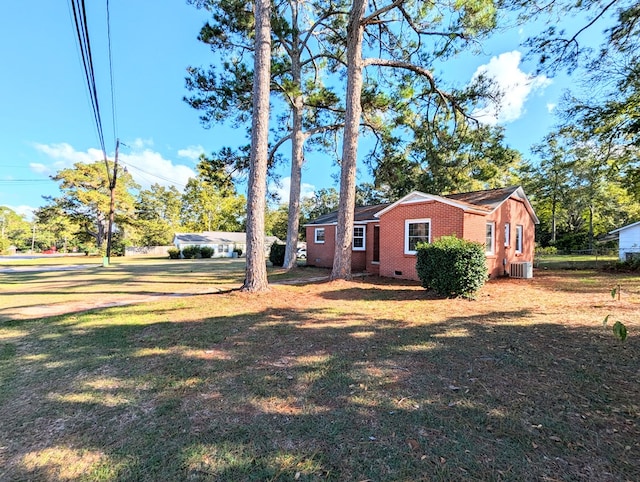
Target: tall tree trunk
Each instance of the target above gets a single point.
(353, 113)
(297, 159)
(297, 145)
(256, 271)
(553, 218)
(591, 227)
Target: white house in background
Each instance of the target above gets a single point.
(629, 241)
(222, 243)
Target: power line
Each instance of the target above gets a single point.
(162, 178)
(10, 181)
(82, 32)
(113, 97)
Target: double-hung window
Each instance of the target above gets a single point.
(319, 236)
(490, 239)
(507, 234)
(518, 238)
(416, 231)
(359, 238)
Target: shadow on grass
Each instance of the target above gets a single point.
(315, 394)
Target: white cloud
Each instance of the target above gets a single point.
(145, 165)
(40, 168)
(149, 167)
(64, 155)
(191, 152)
(283, 187)
(24, 210)
(551, 107)
(515, 85)
(140, 144)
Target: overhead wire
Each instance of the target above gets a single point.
(111, 77)
(82, 32)
(162, 178)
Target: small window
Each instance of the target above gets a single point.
(219, 248)
(490, 239)
(319, 235)
(518, 238)
(359, 233)
(416, 231)
(507, 234)
(226, 248)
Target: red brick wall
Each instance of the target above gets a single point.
(515, 213)
(445, 220)
(321, 254)
(448, 220)
(371, 267)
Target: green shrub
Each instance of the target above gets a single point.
(174, 253)
(629, 265)
(452, 267)
(191, 252)
(238, 251)
(206, 251)
(276, 254)
(547, 250)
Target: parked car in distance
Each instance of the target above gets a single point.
(302, 253)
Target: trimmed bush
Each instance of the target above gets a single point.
(174, 253)
(276, 254)
(238, 251)
(547, 250)
(191, 252)
(452, 266)
(206, 251)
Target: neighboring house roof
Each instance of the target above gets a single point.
(361, 214)
(480, 202)
(623, 228)
(215, 237)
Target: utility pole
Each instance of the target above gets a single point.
(112, 205)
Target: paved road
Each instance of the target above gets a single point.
(60, 267)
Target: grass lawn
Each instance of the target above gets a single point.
(367, 380)
(574, 261)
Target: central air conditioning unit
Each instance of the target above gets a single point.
(521, 270)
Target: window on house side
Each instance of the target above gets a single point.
(490, 240)
(359, 238)
(507, 234)
(518, 238)
(319, 236)
(416, 231)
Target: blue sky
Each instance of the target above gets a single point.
(46, 123)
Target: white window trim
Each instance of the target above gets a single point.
(364, 238)
(507, 234)
(407, 222)
(315, 235)
(519, 236)
(490, 250)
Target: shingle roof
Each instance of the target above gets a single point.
(361, 214)
(490, 198)
(482, 201)
(215, 237)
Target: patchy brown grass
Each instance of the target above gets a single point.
(366, 380)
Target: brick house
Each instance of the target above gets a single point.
(385, 235)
